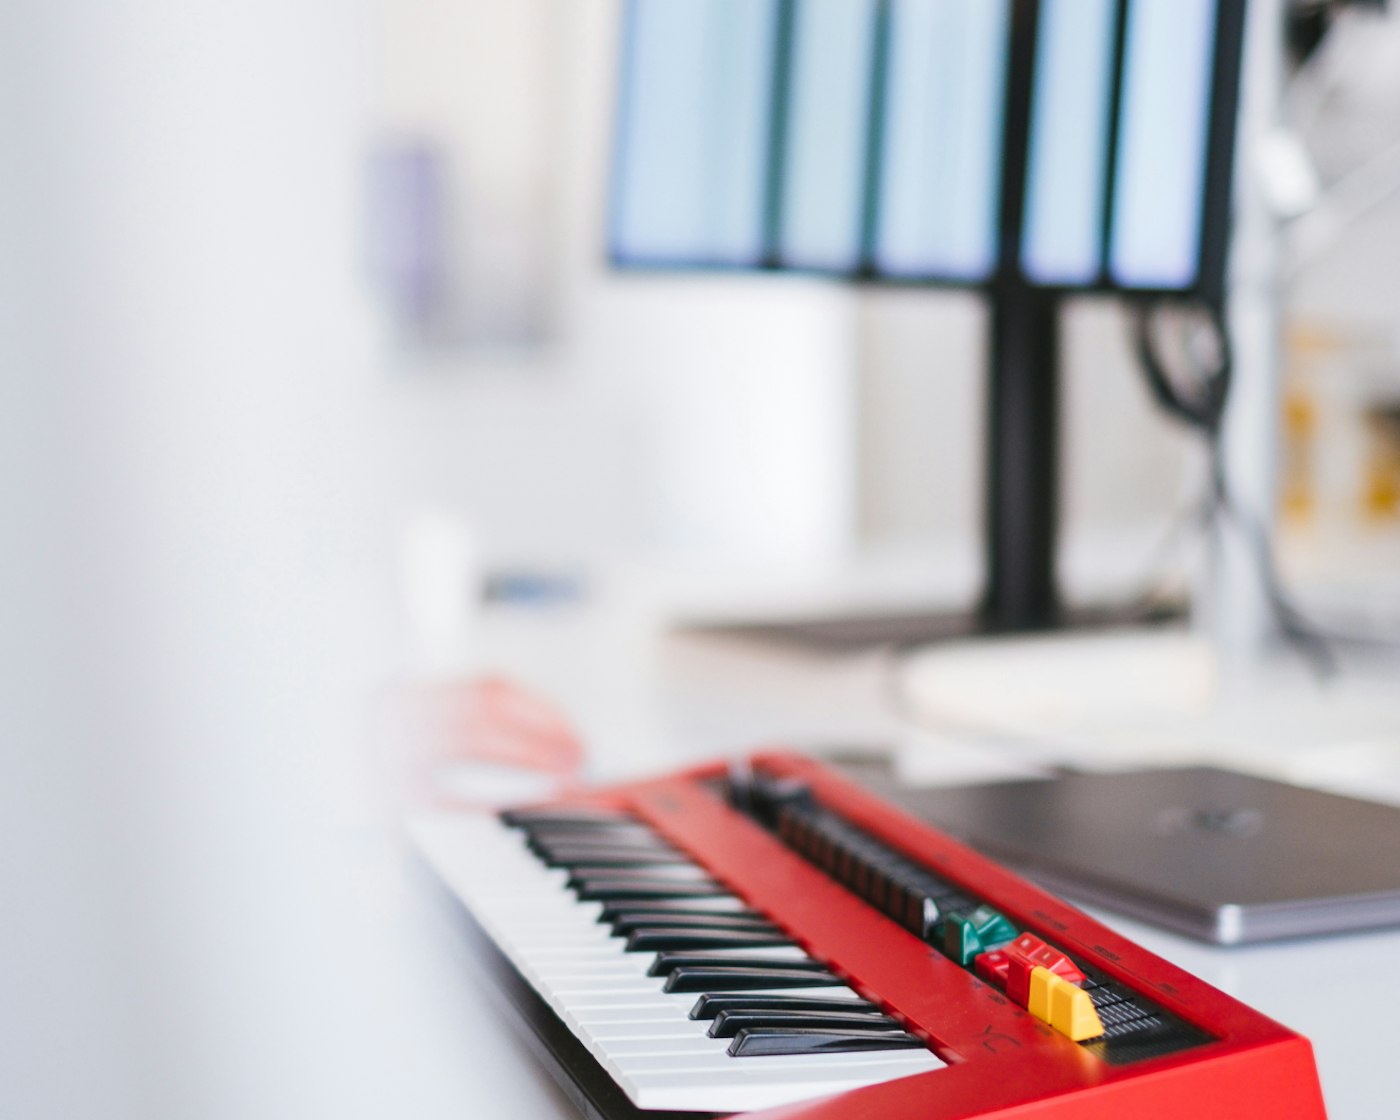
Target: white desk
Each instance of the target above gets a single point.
(646, 700)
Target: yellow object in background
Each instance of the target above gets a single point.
(1297, 485)
(1381, 481)
(1340, 428)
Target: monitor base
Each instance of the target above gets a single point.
(909, 628)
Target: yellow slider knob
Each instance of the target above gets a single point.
(1064, 1006)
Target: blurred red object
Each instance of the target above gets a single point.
(488, 722)
(492, 719)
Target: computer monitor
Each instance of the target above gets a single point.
(1024, 148)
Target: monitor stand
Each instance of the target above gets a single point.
(1022, 495)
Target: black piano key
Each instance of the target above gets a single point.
(609, 890)
(568, 816)
(613, 857)
(712, 979)
(616, 908)
(679, 873)
(688, 870)
(710, 1005)
(729, 1023)
(660, 938)
(619, 834)
(554, 841)
(690, 919)
(574, 857)
(598, 838)
(663, 876)
(772, 1041)
(670, 960)
(570, 852)
(577, 819)
(602, 837)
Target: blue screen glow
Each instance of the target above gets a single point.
(1062, 240)
(942, 141)
(1162, 143)
(694, 132)
(824, 171)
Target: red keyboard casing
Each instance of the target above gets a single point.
(1002, 1062)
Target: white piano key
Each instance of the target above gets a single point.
(601, 954)
(600, 1018)
(583, 1008)
(642, 1036)
(709, 1057)
(641, 962)
(621, 1012)
(592, 937)
(686, 1058)
(562, 967)
(716, 1061)
(644, 986)
(541, 918)
(663, 1036)
(745, 1092)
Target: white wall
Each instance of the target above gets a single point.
(1125, 468)
(195, 566)
(207, 460)
(659, 390)
(62, 1000)
(702, 419)
(721, 418)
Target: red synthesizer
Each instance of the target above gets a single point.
(772, 940)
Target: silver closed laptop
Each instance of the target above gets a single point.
(1222, 856)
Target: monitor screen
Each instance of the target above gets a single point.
(869, 139)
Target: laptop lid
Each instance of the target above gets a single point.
(1218, 855)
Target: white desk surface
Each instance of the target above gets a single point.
(646, 699)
